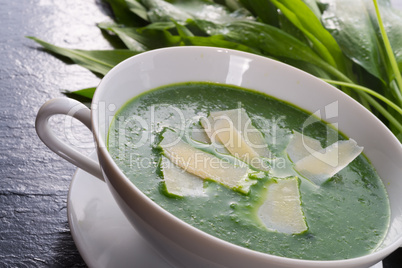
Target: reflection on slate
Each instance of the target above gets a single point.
(34, 182)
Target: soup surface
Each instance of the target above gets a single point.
(347, 216)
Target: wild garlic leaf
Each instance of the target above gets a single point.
(137, 8)
(306, 21)
(264, 10)
(86, 92)
(393, 25)
(211, 11)
(394, 94)
(162, 11)
(183, 31)
(217, 41)
(161, 26)
(270, 40)
(287, 26)
(351, 26)
(127, 35)
(154, 35)
(392, 20)
(256, 26)
(122, 14)
(83, 95)
(312, 4)
(97, 61)
(309, 68)
(157, 35)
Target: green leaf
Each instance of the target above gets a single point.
(208, 10)
(312, 4)
(122, 14)
(393, 26)
(84, 95)
(138, 9)
(293, 35)
(309, 68)
(98, 61)
(231, 4)
(394, 93)
(396, 73)
(127, 36)
(161, 26)
(306, 21)
(86, 92)
(161, 11)
(287, 26)
(156, 35)
(264, 10)
(392, 23)
(268, 39)
(181, 11)
(183, 31)
(217, 41)
(349, 23)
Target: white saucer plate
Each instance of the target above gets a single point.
(101, 232)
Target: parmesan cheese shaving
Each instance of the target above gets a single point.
(205, 165)
(234, 130)
(179, 182)
(319, 164)
(281, 210)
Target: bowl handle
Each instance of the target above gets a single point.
(75, 109)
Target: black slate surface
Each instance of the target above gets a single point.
(34, 182)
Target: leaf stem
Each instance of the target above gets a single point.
(388, 48)
(332, 70)
(367, 90)
(396, 92)
(384, 112)
(364, 93)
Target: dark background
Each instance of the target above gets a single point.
(34, 182)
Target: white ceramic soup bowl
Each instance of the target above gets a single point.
(178, 242)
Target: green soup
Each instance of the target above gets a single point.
(347, 216)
